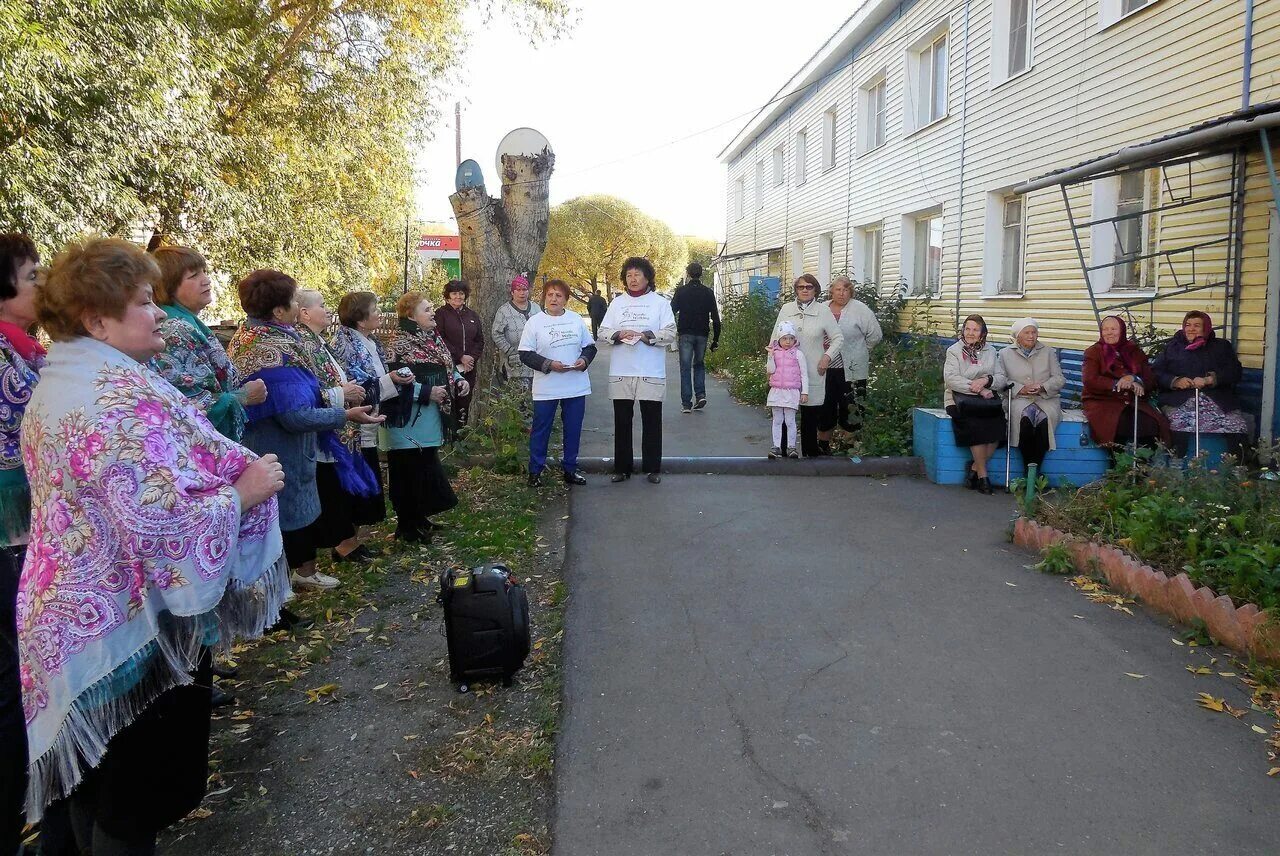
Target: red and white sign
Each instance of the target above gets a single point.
(442, 244)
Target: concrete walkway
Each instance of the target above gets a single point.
(765, 665)
(723, 428)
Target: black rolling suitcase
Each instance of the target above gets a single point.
(486, 623)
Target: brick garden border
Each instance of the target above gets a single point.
(1245, 628)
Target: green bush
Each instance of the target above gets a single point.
(1220, 526)
(499, 439)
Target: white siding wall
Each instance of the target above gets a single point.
(1090, 90)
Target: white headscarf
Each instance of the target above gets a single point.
(1022, 324)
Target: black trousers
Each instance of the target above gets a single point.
(1033, 442)
(13, 726)
(650, 435)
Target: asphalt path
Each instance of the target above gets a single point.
(760, 665)
(722, 428)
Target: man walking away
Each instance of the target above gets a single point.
(596, 307)
(697, 316)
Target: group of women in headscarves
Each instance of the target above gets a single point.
(161, 497)
(1014, 395)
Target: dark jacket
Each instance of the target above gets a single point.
(1103, 404)
(461, 330)
(696, 312)
(1216, 356)
(597, 306)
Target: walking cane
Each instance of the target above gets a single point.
(1008, 441)
(1134, 441)
(1197, 421)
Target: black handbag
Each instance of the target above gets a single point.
(970, 406)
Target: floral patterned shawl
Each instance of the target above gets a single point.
(427, 355)
(18, 378)
(194, 361)
(356, 361)
(139, 555)
(278, 355)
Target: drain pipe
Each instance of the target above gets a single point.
(964, 122)
(1248, 55)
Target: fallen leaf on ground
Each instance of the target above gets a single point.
(1199, 670)
(380, 687)
(1134, 675)
(1210, 703)
(1274, 771)
(1177, 642)
(1226, 674)
(325, 691)
(1259, 729)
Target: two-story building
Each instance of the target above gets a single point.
(1062, 159)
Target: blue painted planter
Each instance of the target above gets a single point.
(1076, 459)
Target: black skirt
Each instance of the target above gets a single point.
(335, 524)
(367, 510)
(419, 486)
(976, 431)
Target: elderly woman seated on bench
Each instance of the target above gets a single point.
(1117, 378)
(1035, 408)
(1198, 373)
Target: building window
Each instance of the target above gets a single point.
(739, 191)
(871, 115)
(1129, 233)
(1011, 28)
(868, 244)
(829, 139)
(922, 254)
(1004, 245)
(1012, 228)
(1110, 11)
(1122, 230)
(797, 259)
(759, 185)
(779, 166)
(927, 80)
(801, 153)
(825, 246)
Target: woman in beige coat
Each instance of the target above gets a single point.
(820, 341)
(1033, 369)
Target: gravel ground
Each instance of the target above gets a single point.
(349, 737)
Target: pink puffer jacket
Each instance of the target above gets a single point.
(787, 375)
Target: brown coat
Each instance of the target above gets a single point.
(1103, 405)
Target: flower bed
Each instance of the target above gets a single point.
(1245, 628)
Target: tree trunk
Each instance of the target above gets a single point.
(502, 238)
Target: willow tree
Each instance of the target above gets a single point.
(501, 238)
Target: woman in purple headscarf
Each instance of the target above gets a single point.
(1196, 359)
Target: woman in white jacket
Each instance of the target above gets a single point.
(821, 341)
(848, 372)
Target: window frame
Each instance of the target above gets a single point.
(1020, 230)
(868, 253)
(1111, 12)
(829, 128)
(759, 184)
(739, 197)
(802, 156)
(779, 165)
(797, 258)
(826, 254)
(1105, 243)
(923, 76)
(872, 134)
(916, 239)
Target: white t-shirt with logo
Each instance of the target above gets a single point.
(649, 312)
(557, 337)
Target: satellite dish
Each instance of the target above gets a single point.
(468, 175)
(521, 141)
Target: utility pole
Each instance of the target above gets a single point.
(405, 290)
(457, 132)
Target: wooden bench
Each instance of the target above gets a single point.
(1076, 459)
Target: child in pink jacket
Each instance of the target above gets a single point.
(788, 387)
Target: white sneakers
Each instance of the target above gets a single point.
(315, 581)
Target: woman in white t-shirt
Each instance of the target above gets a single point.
(639, 324)
(558, 347)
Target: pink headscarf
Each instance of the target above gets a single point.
(1203, 339)
(1113, 356)
(521, 281)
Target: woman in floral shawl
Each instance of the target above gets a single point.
(153, 537)
(193, 359)
(296, 420)
(419, 420)
(361, 355)
(21, 358)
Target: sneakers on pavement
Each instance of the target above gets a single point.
(685, 408)
(317, 581)
(775, 453)
(793, 454)
(699, 404)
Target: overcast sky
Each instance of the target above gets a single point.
(617, 92)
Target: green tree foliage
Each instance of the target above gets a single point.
(265, 132)
(591, 236)
(703, 251)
